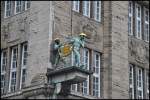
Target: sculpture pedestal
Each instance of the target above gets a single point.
(67, 76)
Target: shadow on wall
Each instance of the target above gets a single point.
(52, 53)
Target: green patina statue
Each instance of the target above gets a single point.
(77, 43)
(63, 50)
(58, 58)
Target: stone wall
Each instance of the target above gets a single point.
(139, 53)
(32, 26)
(120, 77)
(46, 20)
(38, 41)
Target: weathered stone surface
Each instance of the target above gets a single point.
(46, 20)
(138, 52)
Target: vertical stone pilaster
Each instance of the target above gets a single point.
(107, 75)
(18, 68)
(8, 69)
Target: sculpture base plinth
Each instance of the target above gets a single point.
(64, 77)
(70, 75)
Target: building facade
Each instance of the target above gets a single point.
(116, 48)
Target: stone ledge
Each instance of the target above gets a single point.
(30, 91)
(71, 75)
(67, 69)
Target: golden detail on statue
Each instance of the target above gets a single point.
(65, 50)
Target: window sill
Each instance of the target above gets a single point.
(15, 14)
(92, 19)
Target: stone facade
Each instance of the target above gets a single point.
(46, 20)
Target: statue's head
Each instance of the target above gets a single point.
(82, 35)
(57, 40)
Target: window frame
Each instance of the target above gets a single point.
(84, 8)
(72, 63)
(132, 78)
(95, 11)
(3, 72)
(138, 35)
(13, 70)
(3, 83)
(138, 82)
(147, 84)
(5, 15)
(130, 15)
(23, 6)
(26, 4)
(95, 74)
(15, 11)
(2, 59)
(76, 3)
(23, 67)
(76, 86)
(88, 65)
(146, 22)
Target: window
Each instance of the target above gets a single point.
(96, 75)
(130, 18)
(138, 21)
(18, 6)
(3, 61)
(146, 25)
(136, 82)
(13, 81)
(147, 78)
(14, 57)
(140, 83)
(86, 8)
(23, 78)
(83, 87)
(86, 59)
(27, 4)
(23, 65)
(3, 70)
(21, 6)
(131, 81)
(138, 16)
(7, 8)
(97, 63)
(2, 83)
(97, 10)
(76, 5)
(74, 87)
(85, 84)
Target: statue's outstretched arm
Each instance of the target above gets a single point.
(71, 41)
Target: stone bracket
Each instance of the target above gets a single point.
(63, 78)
